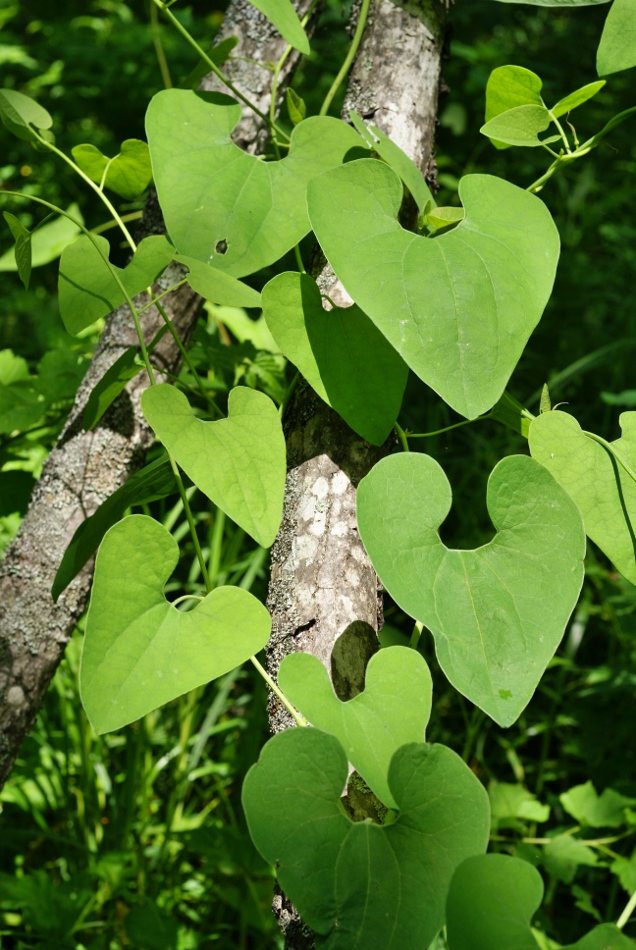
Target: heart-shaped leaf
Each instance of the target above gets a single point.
(238, 462)
(393, 710)
(458, 308)
(520, 126)
(87, 288)
(491, 903)
(128, 174)
(509, 87)
(340, 353)
(617, 49)
(497, 613)
(360, 884)
(140, 651)
(23, 248)
(603, 490)
(222, 205)
(284, 17)
(18, 113)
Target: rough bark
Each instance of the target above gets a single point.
(321, 579)
(84, 468)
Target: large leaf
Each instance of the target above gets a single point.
(618, 43)
(491, 903)
(360, 884)
(393, 709)
(340, 352)
(497, 613)
(284, 17)
(87, 288)
(458, 308)
(598, 483)
(128, 174)
(140, 651)
(152, 482)
(238, 462)
(47, 242)
(19, 113)
(221, 205)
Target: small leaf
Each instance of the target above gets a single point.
(129, 173)
(519, 126)
(238, 462)
(295, 106)
(87, 288)
(23, 250)
(617, 50)
(491, 902)
(563, 856)
(599, 811)
(576, 99)
(393, 709)
(141, 652)
(18, 113)
(509, 87)
(151, 483)
(625, 871)
(545, 404)
(510, 804)
(443, 217)
(284, 17)
(48, 241)
(341, 354)
(112, 383)
(481, 606)
(358, 883)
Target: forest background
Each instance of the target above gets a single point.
(137, 839)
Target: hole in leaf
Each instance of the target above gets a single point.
(221, 247)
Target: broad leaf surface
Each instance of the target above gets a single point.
(218, 286)
(617, 50)
(360, 884)
(519, 126)
(604, 492)
(392, 711)
(491, 903)
(140, 651)
(284, 17)
(509, 87)
(497, 613)
(458, 308)
(604, 937)
(238, 462)
(151, 483)
(340, 352)
(129, 173)
(47, 242)
(87, 288)
(22, 249)
(18, 113)
(221, 205)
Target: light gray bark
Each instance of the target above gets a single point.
(321, 578)
(84, 468)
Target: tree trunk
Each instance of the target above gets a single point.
(321, 579)
(85, 468)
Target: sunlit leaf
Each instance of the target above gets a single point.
(519, 126)
(295, 106)
(128, 174)
(284, 17)
(606, 810)
(18, 113)
(577, 98)
(617, 49)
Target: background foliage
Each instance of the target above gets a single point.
(137, 839)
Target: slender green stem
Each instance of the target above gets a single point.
(133, 216)
(155, 29)
(180, 600)
(627, 913)
(300, 720)
(346, 66)
(288, 394)
(177, 339)
(299, 260)
(612, 451)
(401, 434)
(415, 636)
(277, 69)
(215, 69)
(154, 300)
(456, 425)
(564, 137)
(193, 530)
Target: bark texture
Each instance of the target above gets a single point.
(84, 468)
(321, 579)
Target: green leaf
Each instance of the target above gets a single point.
(129, 173)
(141, 652)
(112, 383)
(221, 205)
(340, 352)
(497, 613)
(557, 3)
(599, 811)
(238, 462)
(510, 804)
(563, 856)
(509, 87)
(519, 126)
(329, 866)
(443, 217)
(215, 285)
(88, 289)
(458, 309)
(576, 99)
(219, 54)
(295, 106)
(604, 492)
(21, 406)
(47, 242)
(399, 161)
(491, 903)
(284, 17)
(23, 249)
(625, 871)
(151, 483)
(148, 929)
(16, 488)
(604, 937)
(13, 369)
(392, 711)
(545, 405)
(617, 49)
(18, 113)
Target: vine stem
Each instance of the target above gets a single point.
(346, 66)
(627, 913)
(300, 720)
(456, 425)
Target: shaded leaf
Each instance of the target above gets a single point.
(149, 929)
(511, 803)
(625, 871)
(564, 855)
(494, 634)
(47, 242)
(22, 249)
(443, 217)
(219, 54)
(599, 811)
(617, 49)
(604, 937)
(139, 650)
(112, 383)
(218, 286)
(284, 17)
